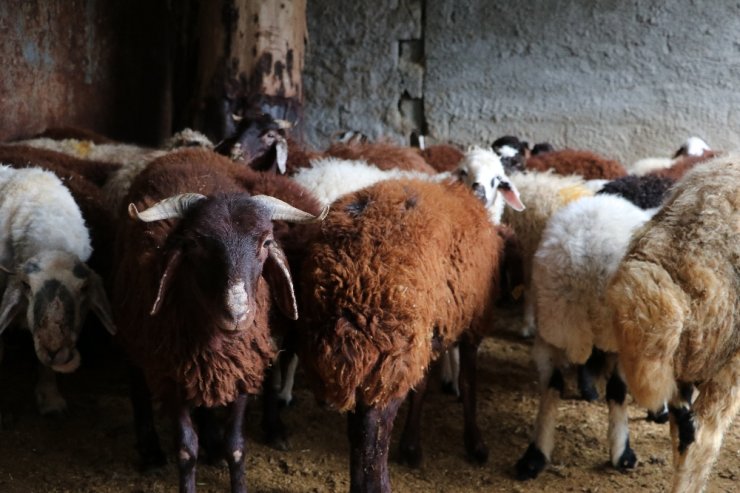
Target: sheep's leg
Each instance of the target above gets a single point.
(539, 451)
(147, 441)
(714, 410)
(621, 454)
(594, 366)
(411, 437)
(235, 444)
(287, 371)
(48, 398)
(474, 444)
(210, 435)
(369, 430)
(187, 450)
(529, 326)
(451, 371)
(272, 424)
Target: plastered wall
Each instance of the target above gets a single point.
(628, 78)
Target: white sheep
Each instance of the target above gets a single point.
(677, 315)
(43, 246)
(581, 247)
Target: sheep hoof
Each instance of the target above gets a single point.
(627, 460)
(660, 417)
(477, 450)
(449, 387)
(411, 455)
(589, 394)
(531, 464)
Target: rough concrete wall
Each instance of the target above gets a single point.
(357, 67)
(630, 79)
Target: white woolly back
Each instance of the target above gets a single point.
(481, 167)
(648, 164)
(38, 213)
(580, 250)
(329, 178)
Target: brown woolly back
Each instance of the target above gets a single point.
(95, 171)
(587, 164)
(61, 133)
(185, 356)
(86, 194)
(442, 157)
(383, 155)
(400, 270)
(682, 165)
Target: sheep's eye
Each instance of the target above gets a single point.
(267, 243)
(493, 182)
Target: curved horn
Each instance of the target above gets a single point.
(282, 211)
(171, 207)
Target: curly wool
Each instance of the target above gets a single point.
(675, 296)
(383, 155)
(645, 192)
(587, 164)
(397, 274)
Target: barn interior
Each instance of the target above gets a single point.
(627, 80)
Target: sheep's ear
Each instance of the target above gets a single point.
(11, 304)
(277, 274)
(510, 194)
(164, 282)
(99, 302)
(281, 155)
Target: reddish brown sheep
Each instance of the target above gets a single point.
(383, 155)
(191, 297)
(681, 165)
(401, 271)
(442, 157)
(587, 164)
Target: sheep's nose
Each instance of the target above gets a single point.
(59, 356)
(236, 301)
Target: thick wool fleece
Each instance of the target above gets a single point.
(185, 355)
(587, 164)
(645, 192)
(397, 274)
(581, 248)
(442, 157)
(675, 295)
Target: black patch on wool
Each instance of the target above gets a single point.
(645, 192)
(355, 209)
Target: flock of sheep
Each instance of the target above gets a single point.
(222, 268)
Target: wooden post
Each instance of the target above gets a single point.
(249, 52)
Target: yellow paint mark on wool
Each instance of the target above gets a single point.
(573, 192)
(83, 147)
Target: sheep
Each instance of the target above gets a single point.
(646, 192)
(441, 157)
(693, 146)
(681, 166)
(383, 155)
(570, 161)
(43, 274)
(580, 248)
(676, 315)
(258, 141)
(192, 296)
(400, 271)
(513, 152)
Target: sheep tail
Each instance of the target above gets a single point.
(649, 312)
(345, 358)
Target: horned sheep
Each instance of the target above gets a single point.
(192, 297)
(677, 315)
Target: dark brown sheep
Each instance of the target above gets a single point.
(383, 155)
(587, 164)
(192, 300)
(400, 271)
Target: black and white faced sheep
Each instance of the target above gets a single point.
(400, 271)
(258, 140)
(44, 280)
(196, 272)
(512, 151)
(677, 315)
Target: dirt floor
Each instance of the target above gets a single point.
(90, 449)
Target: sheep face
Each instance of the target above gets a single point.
(482, 171)
(57, 290)
(258, 141)
(216, 257)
